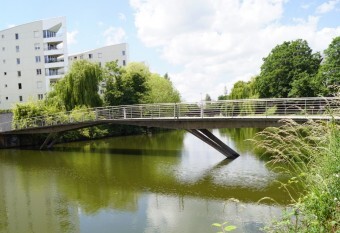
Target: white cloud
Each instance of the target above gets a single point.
(122, 17)
(219, 42)
(327, 6)
(114, 35)
(71, 37)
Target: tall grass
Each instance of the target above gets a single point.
(310, 154)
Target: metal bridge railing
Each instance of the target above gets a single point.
(289, 107)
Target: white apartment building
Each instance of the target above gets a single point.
(103, 55)
(32, 56)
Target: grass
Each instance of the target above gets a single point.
(310, 155)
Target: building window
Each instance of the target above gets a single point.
(37, 46)
(19, 73)
(5, 85)
(4, 61)
(40, 96)
(39, 84)
(124, 63)
(19, 86)
(20, 98)
(101, 92)
(16, 36)
(48, 34)
(3, 48)
(5, 73)
(100, 64)
(18, 61)
(81, 57)
(123, 52)
(37, 59)
(36, 34)
(17, 48)
(38, 71)
(2, 36)
(75, 58)
(90, 56)
(100, 55)
(6, 98)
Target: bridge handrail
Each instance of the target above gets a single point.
(205, 109)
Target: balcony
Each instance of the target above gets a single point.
(54, 73)
(54, 60)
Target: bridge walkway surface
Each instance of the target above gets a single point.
(196, 118)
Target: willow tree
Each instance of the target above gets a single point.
(80, 86)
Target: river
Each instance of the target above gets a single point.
(165, 182)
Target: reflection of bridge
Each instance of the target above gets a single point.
(193, 117)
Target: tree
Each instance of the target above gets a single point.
(161, 90)
(80, 86)
(289, 67)
(207, 97)
(328, 78)
(128, 86)
(243, 90)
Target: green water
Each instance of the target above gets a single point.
(167, 182)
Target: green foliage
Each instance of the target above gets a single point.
(271, 111)
(79, 86)
(223, 97)
(207, 97)
(161, 90)
(329, 73)
(243, 90)
(310, 155)
(224, 227)
(127, 86)
(5, 111)
(286, 69)
(28, 110)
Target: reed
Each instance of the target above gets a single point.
(309, 154)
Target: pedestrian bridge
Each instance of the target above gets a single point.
(196, 118)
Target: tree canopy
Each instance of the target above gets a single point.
(328, 78)
(161, 90)
(242, 90)
(126, 85)
(288, 71)
(135, 84)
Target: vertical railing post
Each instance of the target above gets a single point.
(124, 112)
(305, 107)
(175, 106)
(266, 108)
(202, 112)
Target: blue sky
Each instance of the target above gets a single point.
(205, 45)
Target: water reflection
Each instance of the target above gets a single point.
(169, 182)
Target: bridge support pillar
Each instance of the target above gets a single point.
(209, 138)
(49, 141)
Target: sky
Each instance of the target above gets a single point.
(204, 45)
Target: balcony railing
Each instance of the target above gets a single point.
(54, 60)
(53, 73)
